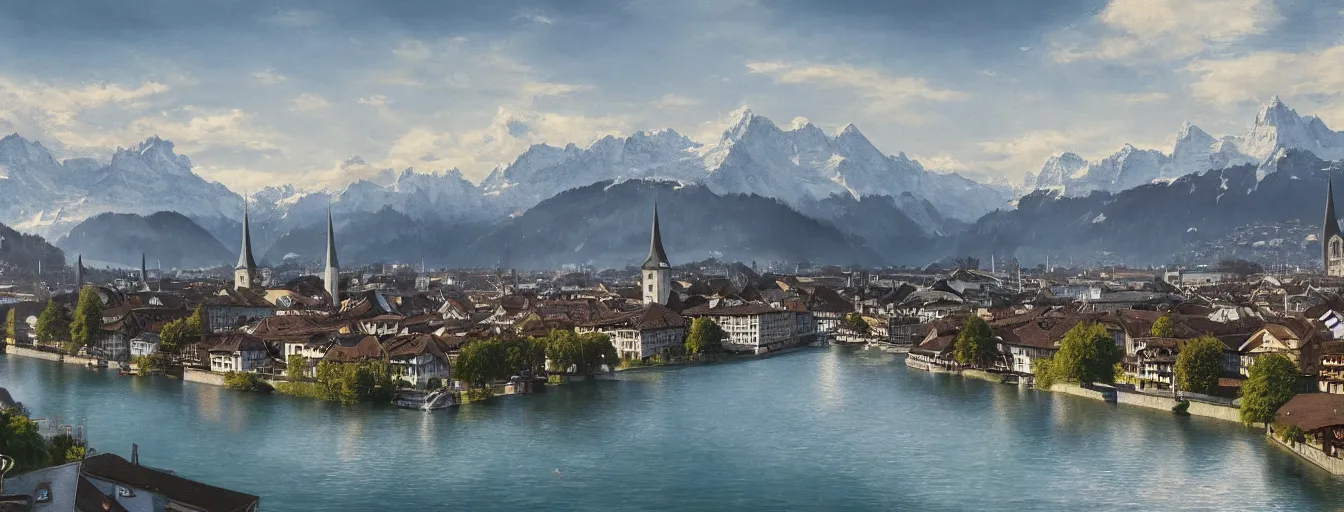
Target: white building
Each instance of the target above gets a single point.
(757, 328)
(146, 344)
(653, 330)
(239, 353)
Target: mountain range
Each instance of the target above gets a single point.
(787, 194)
(1155, 224)
(1276, 129)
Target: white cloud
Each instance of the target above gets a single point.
(884, 92)
(544, 89)
(308, 102)
(477, 151)
(376, 100)
(1028, 151)
(269, 77)
(1256, 76)
(1138, 98)
(412, 50)
(1170, 29)
(671, 100)
(534, 16)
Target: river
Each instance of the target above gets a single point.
(818, 429)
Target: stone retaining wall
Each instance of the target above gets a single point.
(16, 350)
(1333, 465)
(202, 377)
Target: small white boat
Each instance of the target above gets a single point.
(431, 401)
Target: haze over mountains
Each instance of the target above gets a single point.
(785, 194)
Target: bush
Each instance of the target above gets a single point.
(144, 364)
(1182, 408)
(434, 383)
(478, 394)
(1290, 433)
(243, 381)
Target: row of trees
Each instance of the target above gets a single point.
(81, 330)
(484, 361)
(21, 440)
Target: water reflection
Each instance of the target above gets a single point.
(815, 430)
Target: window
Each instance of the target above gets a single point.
(42, 494)
(125, 492)
(650, 288)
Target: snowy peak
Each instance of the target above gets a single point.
(1277, 127)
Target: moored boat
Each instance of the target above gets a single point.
(425, 401)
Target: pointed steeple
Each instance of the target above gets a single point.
(331, 276)
(657, 256)
(1331, 226)
(144, 274)
(331, 243)
(79, 272)
(245, 260)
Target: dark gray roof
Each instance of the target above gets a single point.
(108, 466)
(657, 256)
(245, 259)
(331, 243)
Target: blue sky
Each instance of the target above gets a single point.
(265, 92)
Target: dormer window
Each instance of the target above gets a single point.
(42, 494)
(154, 301)
(125, 492)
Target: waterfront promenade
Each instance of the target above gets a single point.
(862, 430)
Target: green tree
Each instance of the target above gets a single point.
(88, 322)
(21, 440)
(1272, 382)
(1164, 327)
(179, 332)
(12, 325)
(1199, 364)
(64, 448)
(598, 352)
(52, 324)
(1043, 374)
(1086, 355)
(855, 323)
(705, 337)
(975, 344)
(295, 365)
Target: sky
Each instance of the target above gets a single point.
(269, 92)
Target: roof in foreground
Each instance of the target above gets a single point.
(109, 466)
(1313, 411)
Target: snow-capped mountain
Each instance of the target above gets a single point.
(753, 156)
(48, 197)
(1277, 128)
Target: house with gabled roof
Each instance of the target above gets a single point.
(649, 331)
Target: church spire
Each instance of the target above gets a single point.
(1331, 225)
(245, 260)
(331, 277)
(79, 272)
(144, 274)
(657, 256)
(331, 243)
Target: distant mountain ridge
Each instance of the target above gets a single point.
(167, 238)
(1276, 129)
(41, 195)
(1153, 224)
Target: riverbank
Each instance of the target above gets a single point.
(29, 352)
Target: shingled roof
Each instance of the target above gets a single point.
(1313, 411)
(111, 467)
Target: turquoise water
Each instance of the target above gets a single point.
(820, 429)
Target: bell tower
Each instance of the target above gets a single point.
(656, 271)
(245, 273)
